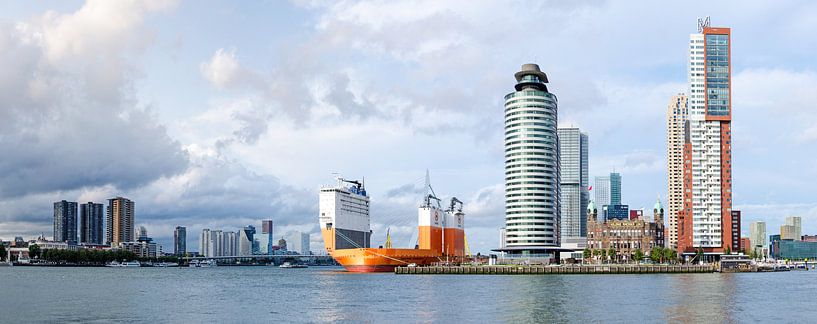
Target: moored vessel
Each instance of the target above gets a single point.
(346, 230)
(288, 265)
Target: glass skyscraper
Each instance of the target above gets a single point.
(91, 229)
(532, 184)
(573, 150)
(615, 188)
(180, 241)
(65, 222)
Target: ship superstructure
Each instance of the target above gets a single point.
(344, 216)
(346, 230)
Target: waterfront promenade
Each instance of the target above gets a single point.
(544, 270)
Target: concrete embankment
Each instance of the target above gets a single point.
(579, 269)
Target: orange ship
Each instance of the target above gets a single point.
(346, 231)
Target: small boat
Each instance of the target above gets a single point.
(166, 265)
(292, 266)
(203, 264)
(129, 264)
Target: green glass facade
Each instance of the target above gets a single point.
(794, 250)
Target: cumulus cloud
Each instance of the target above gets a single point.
(67, 113)
(223, 68)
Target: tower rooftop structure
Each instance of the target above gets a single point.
(530, 76)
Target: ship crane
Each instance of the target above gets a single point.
(454, 203)
(429, 198)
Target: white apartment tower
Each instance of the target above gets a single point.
(677, 111)
(708, 173)
(532, 174)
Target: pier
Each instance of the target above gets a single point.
(544, 270)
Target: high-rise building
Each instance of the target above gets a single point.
(615, 188)
(204, 242)
(229, 244)
(65, 222)
(735, 231)
(91, 228)
(757, 235)
(796, 223)
(141, 233)
(120, 221)
(180, 241)
(532, 184)
(245, 240)
(298, 242)
(601, 195)
(677, 112)
(706, 218)
(573, 159)
(266, 228)
(789, 232)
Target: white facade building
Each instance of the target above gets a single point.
(532, 175)
(709, 136)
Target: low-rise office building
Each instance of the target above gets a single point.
(625, 235)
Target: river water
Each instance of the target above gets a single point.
(324, 294)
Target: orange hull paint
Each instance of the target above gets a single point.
(454, 243)
(431, 238)
(382, 260)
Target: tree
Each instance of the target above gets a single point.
(753, 254)
(599, 253)
(2, 251)
(655, 254)
(670, 255)
(611, 252)
(587, 253)
(728, 250)
(638, 255)
(699, 254)
(34, 251)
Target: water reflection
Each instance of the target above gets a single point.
(264, 294)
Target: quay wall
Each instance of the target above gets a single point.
(544, 270)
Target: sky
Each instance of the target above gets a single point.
(212, 114)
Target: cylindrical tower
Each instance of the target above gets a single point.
(532, 206)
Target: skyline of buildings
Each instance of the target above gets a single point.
(714, 88)
(532, 174)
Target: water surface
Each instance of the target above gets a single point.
(322, 294)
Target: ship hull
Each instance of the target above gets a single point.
(383, 260)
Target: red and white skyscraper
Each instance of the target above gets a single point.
(705, 222)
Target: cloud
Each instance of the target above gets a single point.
(223, 68)
(69, 119)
